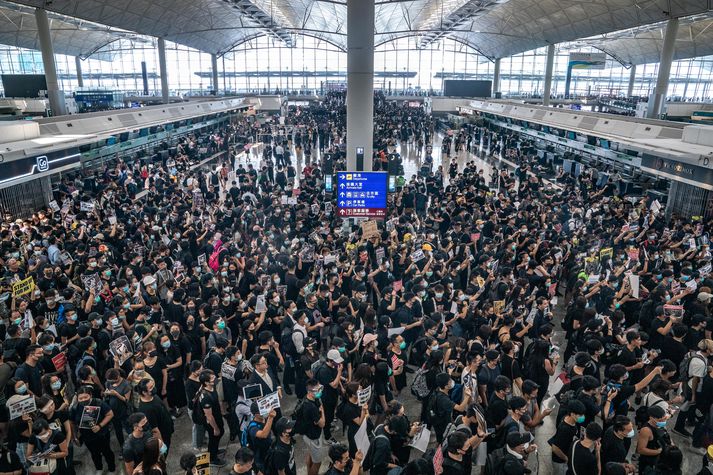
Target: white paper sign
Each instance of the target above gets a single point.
(420, 440)
(25, 405)
(260, 305)
(268, 403)
(634, 283)
(112, 220)
(54, 206)
(691, 284)
(395, 331)
(227, 371)
(292, 201)
(283, 199)
(86, 206)
(417, 255)
(361, 439)
(364, 395)
(655, 206)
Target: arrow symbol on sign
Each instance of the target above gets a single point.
(341, 195)
(341, 203)
(341, 186)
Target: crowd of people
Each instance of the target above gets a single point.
(229, 290)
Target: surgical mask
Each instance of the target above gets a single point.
(276, 281)
(631, 434)
(49, 347)
(580, 419)
(391, 372)
(98, 321)
(221, 325)
(342, 349)
(166, 344)
(56, 386)
(318, 394)
(434, 347)
(429, 273)
(163, 449)
(126, 289)
(402, 345)
(439, 295)
(661, 424)
(73, 317)
(107, 273)
(17, 321)
(97, 299)
(224, 274)
(22, 389)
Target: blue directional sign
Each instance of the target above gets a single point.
(362, 194)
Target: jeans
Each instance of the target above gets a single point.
(197, 433)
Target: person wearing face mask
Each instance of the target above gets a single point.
(566, 434)
(220, 330)
(95, 433)
(175, 389)
(50, 442)
(117, 395)
(244, 462)
(207, 412)
(30, 371)
(616, 443)
(153, 461)
(140, 433)
(397, 362)
(441, 406)
(68, 329)
(154, 410)
(231, 375)
(653, 438)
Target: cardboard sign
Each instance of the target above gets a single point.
(268, 403)
(498, 306)
(54, 206)
(607, 252)
(23, 287)
(227, 371)
(90, 417)
(59, 362)
(363, 395)
(203, 463)
(121, 349)
(369, 229)
(26, 405)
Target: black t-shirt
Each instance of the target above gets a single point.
(496, 412)
(583, 460)
(133, 450)
(312, 414)
(620, 403)
(443, 410)
(326, 375)
(563, 439)
(209, 400)
(283, 458)
(157, 415)
(613, 448)
(10, 462)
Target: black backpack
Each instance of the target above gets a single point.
(495, 461)
(198, 416)
(298, 417)
(368, 462)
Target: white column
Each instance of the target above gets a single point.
(78, 64)
(657, 100)
(548, 75)
(496, 76)
(214, 62)
(163, 70)
(632, 80)
(360, 82)
(55, 96)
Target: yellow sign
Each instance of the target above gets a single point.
(203, 463)
(608, 252)
(23, 287)
(498, 306)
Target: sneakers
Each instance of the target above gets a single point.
(218, 463)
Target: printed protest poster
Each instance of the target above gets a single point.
(655, 207)
(498, 306)
(675, 311)
(369, 229)
(607, 252)
(307, 253)
(417, 255)
(363, 395)
(395, 331)
(692, 285)
(420, 440)
(25, 405)
(706, 270)
(633, 253)
(86, 206)
(328, 208)
(268, 403)
(391, 224)
(227, 371)
(283, 199)
(552, 290)
(292, 201)
(23, 287)
(92, 281)
(54, 206)
(314, 207)
(203, 463)
(282, 290)
(201, 260)
(260, 305)
(37, 456)
(59, 362)
(265, 281)
(121, 349)
(475, 237)
(380, 254)
(90, 417)
(454, 308)
(329, 258)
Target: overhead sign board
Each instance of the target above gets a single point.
(587, 60)
(362, 194)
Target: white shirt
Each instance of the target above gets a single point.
(697, 367)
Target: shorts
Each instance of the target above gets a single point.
(317, 448)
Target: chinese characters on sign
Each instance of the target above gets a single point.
(362, 194)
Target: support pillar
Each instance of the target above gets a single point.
(657, 100)
(55, 96)
(548, 75)
(78, 64)
(360, 84)
(214, 62)
(163, 70)
(632, 79)
(496, 78)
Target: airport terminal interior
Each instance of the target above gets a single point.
(385, 237)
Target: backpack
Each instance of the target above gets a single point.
(242, 411)
(419, 387)
(316, 366)
(685, 365)
(245, 438)
(642, 414)
(83, 361)
(368, 462)
(298, 417)
(494, 463)
(286, 343)
(198, 416)
(214, 259)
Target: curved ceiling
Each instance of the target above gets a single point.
(497, 28)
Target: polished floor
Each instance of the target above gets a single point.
(540, 464)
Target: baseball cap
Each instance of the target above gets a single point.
(334, 356)
(705, 297)
(148, 280)
(284, 424)
(368, 338)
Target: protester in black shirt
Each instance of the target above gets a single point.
(616, 442)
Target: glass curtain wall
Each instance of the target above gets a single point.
(263, 64)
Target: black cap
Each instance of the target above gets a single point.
(283, 424)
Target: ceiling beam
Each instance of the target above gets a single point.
(458, 18)
(256, 14)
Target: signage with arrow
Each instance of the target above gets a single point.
(362, 194)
